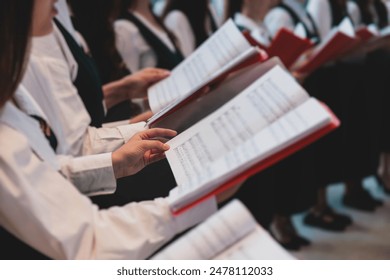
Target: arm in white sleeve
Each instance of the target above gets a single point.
(277, 19)
(43, 209)
(106, 139)
(179, 25)
(92, 175)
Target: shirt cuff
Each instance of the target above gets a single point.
(128, 131)
(195, 215)
(94, 175)
(115, 124)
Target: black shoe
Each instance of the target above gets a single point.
(341, 218)
(291, 245)
(324, 220)
(361, 200)
(302, 240)
(382, 185)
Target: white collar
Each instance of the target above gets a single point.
(162, 35)
(27, 103)
(30, 128)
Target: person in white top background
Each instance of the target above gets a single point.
(374, 14)
(279, 17)
(37, 204)
(143, 40)
(348, 87)
(191, 21)
(249, 15)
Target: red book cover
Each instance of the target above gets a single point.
(264, 164)
(339, 44)
(365, 34)
(288, 47)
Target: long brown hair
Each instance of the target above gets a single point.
(15, 27)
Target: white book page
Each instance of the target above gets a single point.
(258, 245)
(229, 225)
(263, 102)
(200, 175)
(220, 49)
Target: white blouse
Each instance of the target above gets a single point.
(48, 78)
(354, 12)
(279, 18)
(320, 11)
(258, 30)
(40, 207)
(177, 22)
(134, 50)
(92, 175)
(179, 25)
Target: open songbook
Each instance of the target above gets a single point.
(265, 121)
(230, 234)
(225, 52)
(338, 42)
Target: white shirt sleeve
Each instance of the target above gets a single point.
(321, 13)
(43, 209)
(107, 139)
(179, 25)
(92, 175)
(276, 19)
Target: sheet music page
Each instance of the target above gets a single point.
(220, 231)
(258, 245)
(200, 174)
(220, 49)
(263, 102)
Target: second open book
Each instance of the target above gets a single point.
(254, 119)
(230, 234)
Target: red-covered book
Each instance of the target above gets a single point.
(339, 41)
(286, 45)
